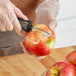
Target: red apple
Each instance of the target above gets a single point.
(36, 43)
(62, 69)
(71, 57)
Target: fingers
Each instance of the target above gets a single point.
(13, 19)
(8, 17)
(9, 20)
(5, 23)
(8, 24)
(17, 26)
(53, 24)
(16, 23)
(19, 13)
(47, 12)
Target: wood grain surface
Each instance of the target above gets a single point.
(27, 65)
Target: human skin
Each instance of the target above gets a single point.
(28, 7)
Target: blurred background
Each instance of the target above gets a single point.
(66, 30)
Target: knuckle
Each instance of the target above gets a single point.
(10, 29)
(18, 10)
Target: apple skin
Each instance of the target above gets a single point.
(35, 43)
(62, 69)
(71, 57)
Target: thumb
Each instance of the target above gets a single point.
(53, 24)
(19, 13)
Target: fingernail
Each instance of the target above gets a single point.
(20, 33)
(3, 30)
(11, 28)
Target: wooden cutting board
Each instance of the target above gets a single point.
(26, 65)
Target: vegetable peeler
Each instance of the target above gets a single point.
(27, 26)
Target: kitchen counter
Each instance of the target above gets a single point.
(28, 65)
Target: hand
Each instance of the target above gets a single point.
(46, 13)
(8, 16)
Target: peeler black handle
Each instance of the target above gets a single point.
(25, 24)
